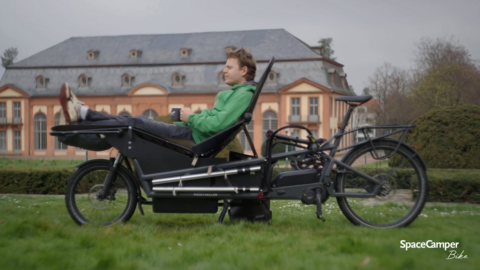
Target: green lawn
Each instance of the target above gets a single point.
(36, 232)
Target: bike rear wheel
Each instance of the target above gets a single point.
(403, 190)
(82, 195)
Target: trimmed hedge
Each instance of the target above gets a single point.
(448, 137)
(445, 185)
(34, 181)
(449, 185)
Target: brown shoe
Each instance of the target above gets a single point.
(70, 104)
(62, 119)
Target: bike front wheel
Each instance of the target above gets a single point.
(400, 197)
(82, 195)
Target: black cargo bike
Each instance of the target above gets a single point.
(379, 182)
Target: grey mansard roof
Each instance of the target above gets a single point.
(160, 59)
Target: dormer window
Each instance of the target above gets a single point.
(177, 79)
(333, 72)
(42, 82)
(272, 77)
(185, 52)
(84, 81)
(230, 48)
(92, 54)
(343, 78)
(221, 78)
(135, 54)
(127, 80)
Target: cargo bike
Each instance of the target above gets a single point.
(379, 182)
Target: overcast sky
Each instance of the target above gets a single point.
(366, 33)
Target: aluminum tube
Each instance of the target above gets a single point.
(201, 175)
(207, 189)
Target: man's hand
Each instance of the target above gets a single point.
(185, 113)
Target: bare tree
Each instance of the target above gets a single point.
(379, 88)
(390, 86)
(445, 75)
(434, 54)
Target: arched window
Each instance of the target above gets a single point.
(243, 138)
(59, 145)
(150, 114)
(40, 131)
(124, 113)
(269, 123)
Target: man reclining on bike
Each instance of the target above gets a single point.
(229, 105)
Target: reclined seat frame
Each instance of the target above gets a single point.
(167, 168)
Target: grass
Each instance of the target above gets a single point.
(11, 163)
(36, 232)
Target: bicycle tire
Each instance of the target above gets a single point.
(389, 208)
(85, 207)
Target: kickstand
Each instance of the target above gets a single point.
(226, 204)
(319, 206)
(139, 202)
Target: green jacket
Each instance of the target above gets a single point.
(229, 106)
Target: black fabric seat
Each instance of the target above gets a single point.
(354, 99)
(91, 140)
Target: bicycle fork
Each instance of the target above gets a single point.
(111, 175)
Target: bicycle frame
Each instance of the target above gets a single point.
(311, 146)
(330, 145)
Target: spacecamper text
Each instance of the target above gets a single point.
(429, 244)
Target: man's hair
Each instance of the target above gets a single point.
(245, 59)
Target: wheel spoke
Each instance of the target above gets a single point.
(395, 202)
(84, 203)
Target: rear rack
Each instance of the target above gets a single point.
(401, 128)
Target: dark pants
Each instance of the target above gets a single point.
(159, 128)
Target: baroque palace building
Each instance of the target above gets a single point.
(150, 74)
